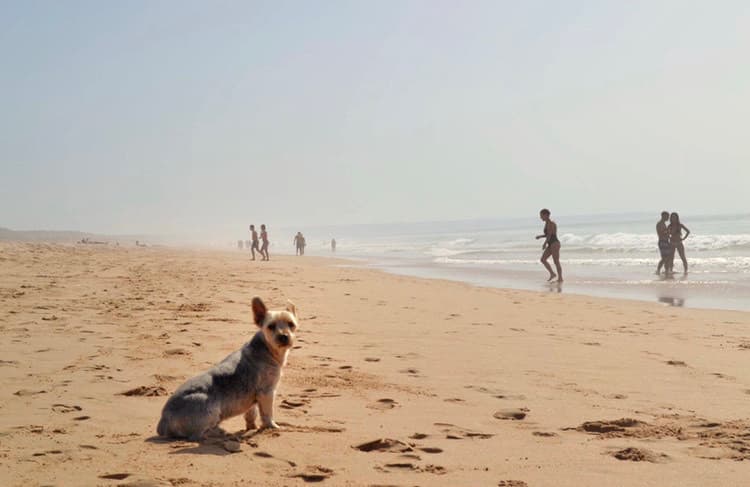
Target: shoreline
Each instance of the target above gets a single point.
(468, 385)
(678, 292)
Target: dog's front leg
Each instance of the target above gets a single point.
(250, 417)
(265, 404)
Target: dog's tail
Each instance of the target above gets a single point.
(161, 428)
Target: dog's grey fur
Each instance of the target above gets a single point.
(241, 383)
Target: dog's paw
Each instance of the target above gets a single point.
(250, 426)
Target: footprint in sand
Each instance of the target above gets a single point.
(175, 351)
(383, 404)
(64, 408)
(314, 473)
(431, 449)
(115, 476)
(397, 466)
(676, 363)
(518, 397)
(454, 399)
(544, 434)
(632, 454)
(408, 466)
(515, 414)
(722, 376)
(512, 483)
(27, 392)
(384, 445)
(294, 403)
(453, 432)
(616, 396)
(372, 359)
(148, 391)
(410, 371)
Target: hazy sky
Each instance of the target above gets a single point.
(205, 116)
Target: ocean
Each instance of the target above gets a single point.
(610, 255)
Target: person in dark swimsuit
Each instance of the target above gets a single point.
(551, 246)
(254, 244)
(675, 229)
(264, 239)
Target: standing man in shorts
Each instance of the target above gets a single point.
(665, 249)
(254, 237)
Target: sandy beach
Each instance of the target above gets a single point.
(395, 380)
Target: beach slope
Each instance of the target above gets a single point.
(395, 380)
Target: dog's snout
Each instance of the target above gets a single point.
(283, 339)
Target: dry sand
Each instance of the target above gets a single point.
(395, 381)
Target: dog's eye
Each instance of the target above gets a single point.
(292, 326)
(272, 327)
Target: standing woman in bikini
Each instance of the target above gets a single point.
(675, 229)
(551, 245)
(264, 239)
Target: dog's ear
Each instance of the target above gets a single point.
(291, 308)
(259, 311)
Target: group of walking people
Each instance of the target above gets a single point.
(254, 245)
(670, 242)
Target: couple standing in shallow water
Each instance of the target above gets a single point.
(670, 242)
(551, 246)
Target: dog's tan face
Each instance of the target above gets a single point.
(278, 327)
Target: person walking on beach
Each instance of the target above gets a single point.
(551, 245)
(299, 243)
(665, 248)
(264, 239)
(675, 229)
(254, 242)
(333, 245)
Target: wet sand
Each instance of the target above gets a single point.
(396, 380)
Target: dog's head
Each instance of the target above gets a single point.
(278, 327)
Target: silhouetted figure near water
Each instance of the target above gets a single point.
(254, 241)
(333, 245)
(299, 243)
(264, 239)
(675, 229)
(665, 248)
(551, 245)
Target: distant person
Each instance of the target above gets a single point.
(665, 248)
(264, 239)
(333, 245)
(551, 245)
(299, 247)
(675, 229)
(254, 241)
(303, 243)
